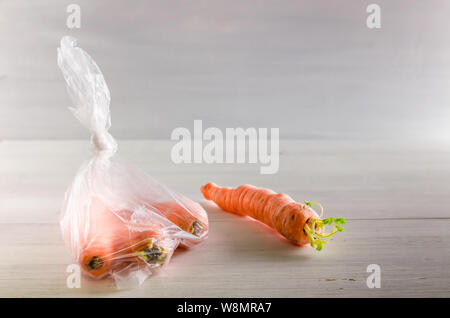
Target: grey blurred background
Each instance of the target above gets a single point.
(311, 68)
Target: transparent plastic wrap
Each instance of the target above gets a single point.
(116, 220)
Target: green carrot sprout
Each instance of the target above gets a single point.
(313, 228)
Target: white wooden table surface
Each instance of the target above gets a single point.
(396, 198)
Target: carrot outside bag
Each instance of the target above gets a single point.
(116, 220)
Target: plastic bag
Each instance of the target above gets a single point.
(116, 220)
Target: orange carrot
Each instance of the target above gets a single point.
(110, 242)
(96, 261)
(297, 222)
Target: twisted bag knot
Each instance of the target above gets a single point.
(103, 141)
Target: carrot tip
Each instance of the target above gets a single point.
(95, 263)
(206, 190)
(152, 254)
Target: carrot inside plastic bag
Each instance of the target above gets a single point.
(116, 220)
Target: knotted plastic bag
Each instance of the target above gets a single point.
(116, 220)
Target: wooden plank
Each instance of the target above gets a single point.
(243, 258)
(395, 197)
(358, 180)
(310, 68)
